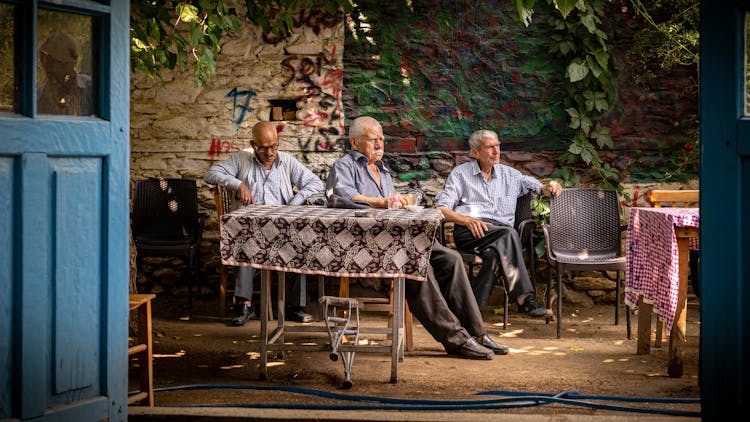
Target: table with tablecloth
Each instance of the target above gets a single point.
(377, 243)
(657, 247)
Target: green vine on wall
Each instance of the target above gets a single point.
(579, 39)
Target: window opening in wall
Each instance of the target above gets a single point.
(284, 109)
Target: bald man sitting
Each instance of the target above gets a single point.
(265, 175)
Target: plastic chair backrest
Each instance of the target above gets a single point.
(166, 208)
(523, 209)
(585, 220)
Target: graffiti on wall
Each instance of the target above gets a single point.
(240, 103)
(316, 19)
(319, 80)
(219, 147)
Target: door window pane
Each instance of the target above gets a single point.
(65, 82)
(8, 62)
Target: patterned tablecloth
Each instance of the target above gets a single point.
(331, 241)
(653, 257)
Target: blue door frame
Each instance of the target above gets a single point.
(64, 201)
(725, 200)
(64, 218)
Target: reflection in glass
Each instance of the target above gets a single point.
(65, 84)
(8, 76)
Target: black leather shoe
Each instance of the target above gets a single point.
(533, 309)
(487, 342)
(473, 350)
(244, 314)
(298, 314)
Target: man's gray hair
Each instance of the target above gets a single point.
(357, 128)
(475, 140)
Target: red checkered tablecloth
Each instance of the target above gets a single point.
(653, 257)
(375, 243)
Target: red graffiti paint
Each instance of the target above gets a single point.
(215, 149)
(315, 119)
(219, 147)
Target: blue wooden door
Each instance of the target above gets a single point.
(64, 154)
(725, 203)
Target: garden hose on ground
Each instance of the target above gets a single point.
(512, 399)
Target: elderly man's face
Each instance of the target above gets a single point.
(371, 143)
(488, 153)
(266, 147)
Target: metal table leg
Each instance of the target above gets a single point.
(397, 334)
(265, 288)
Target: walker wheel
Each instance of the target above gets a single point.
(334, 356)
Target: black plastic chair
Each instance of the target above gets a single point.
(584, 234)
(524, 225)
(166, 222)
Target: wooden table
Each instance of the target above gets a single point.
(393, 244)
(656, 275)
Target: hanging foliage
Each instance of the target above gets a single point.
(171, 34)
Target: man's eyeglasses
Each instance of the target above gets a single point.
(264, 150)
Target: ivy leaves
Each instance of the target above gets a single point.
(579, 39)
(169, 34)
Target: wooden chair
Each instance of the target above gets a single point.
(385, 304)
(674, 198)
(664, 198)
(223, 198)
(223, 201)
(142, 349)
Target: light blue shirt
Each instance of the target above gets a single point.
(350, 176)
(270, 187)
(467, 193)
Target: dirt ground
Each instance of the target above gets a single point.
(193, 358)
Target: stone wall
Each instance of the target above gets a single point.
(312, 83)
(179, 129)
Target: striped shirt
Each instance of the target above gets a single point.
(467, 193)
(270, 187)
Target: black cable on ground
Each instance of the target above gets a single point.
(515, 400)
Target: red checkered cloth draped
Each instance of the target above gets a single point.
(331, 241)
(653, 257)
